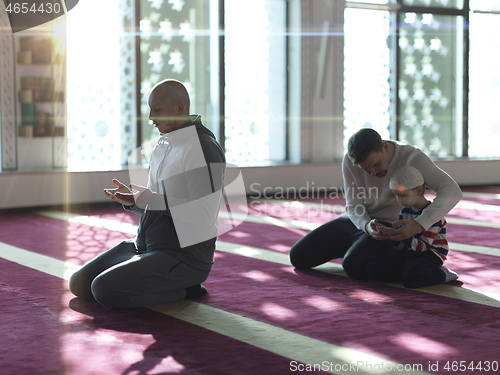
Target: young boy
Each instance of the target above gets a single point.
(418, 261)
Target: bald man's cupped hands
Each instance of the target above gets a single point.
(129, 195)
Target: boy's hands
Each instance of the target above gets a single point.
(403, 229)
(400, 230)
(377, 230)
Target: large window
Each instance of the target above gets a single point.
(484, 63)
(99, 134)
(367, 72)
(255, 81)
(181, 40)
(177, 41)
(431, 82)
(456, 4)
(423, 71)
(425, 89)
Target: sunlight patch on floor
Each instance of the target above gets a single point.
(424, 346)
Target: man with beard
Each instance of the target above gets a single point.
(357, 236)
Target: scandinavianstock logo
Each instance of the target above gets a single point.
(204, 201)
(26, 14)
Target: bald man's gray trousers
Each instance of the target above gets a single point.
(123, 278)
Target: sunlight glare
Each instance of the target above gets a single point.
(238, 234)
(322, 303)
(425, 346)
(277, 312)
(258, 275)
(369, 296)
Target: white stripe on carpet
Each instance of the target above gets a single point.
(470, 194)
(321, 207)
(461, 293)
(37, 262)
(132, 228)
(276, 340)
(337, 359)
(478, 206)
(472, 222)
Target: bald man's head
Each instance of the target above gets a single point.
(169, 105)
(173, 91)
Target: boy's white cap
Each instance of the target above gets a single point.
(406, 178)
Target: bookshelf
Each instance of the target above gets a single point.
(40, 81)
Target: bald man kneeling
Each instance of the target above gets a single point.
(173, 251)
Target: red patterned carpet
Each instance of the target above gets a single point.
(261, 316)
